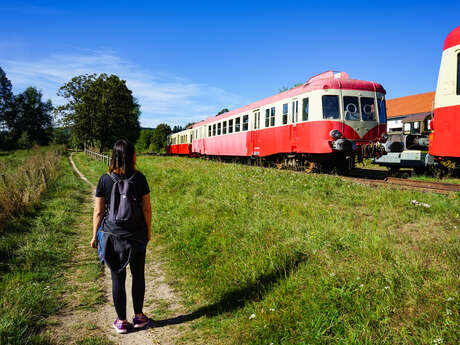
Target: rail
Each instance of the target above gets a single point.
(98, 156)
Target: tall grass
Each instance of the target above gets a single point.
(280, 257)
(22, 181)
(33, 250)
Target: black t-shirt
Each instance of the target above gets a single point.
(104, 186)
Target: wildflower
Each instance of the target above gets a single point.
(437, 341)
(450, 299)
(361, 286)
(253, 316)
(386, 287)
(272, 309)
(448, 312)
(332, 274)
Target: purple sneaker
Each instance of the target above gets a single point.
(141, 321)
(121, 326)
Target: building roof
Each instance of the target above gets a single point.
(414, 104)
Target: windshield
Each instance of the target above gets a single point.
(382, 110)
(351, 108)
(368, 108)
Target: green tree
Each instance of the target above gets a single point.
(32, 120)
(100, 109)
(159, 136)
(6, 106)
(225, 110)
(143, 143)
(177, 129)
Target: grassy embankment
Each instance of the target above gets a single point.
(280, 257)
(36, 242)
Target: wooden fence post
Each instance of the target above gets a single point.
(4, 179)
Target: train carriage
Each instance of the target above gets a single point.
(330, 118)
(179, 143)
(444, 140)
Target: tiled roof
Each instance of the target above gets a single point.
(415, 104)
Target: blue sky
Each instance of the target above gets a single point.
(186, 60)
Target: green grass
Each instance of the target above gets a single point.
(317, 260)
(33, 251)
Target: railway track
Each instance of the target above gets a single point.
(394, 182)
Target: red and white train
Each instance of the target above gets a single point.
(328, 121)
(444, 142)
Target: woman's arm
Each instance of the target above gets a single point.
(147, 210)
(98, 214)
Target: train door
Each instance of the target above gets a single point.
(255, 139)
(293, 126)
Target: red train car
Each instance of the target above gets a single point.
(444, 140)
(329, 120)
(180, 143)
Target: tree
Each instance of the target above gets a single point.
(100, 109)
(225, 110)
(32, 120)
(159, 136)
(177, 129)
(144, 140)
(6, 105)
(285, 88)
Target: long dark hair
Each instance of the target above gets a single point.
(122, 158)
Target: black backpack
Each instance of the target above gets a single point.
(124, 207)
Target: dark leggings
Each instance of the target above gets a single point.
(136, 265)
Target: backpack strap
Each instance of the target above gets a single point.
(114, 178)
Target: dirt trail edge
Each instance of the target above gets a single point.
(158, 295)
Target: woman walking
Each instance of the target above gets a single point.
(122, 213)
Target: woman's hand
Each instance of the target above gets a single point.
(94, 242)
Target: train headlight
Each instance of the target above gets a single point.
(335, 134)
(384, 138)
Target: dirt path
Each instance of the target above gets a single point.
(159, 296)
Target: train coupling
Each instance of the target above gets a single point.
(344, 145)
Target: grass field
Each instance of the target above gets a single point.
(280, 257)
(34, 249)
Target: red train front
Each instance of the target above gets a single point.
(327, 121)
(444, 139)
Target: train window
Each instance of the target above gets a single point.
(458, 74)
(230, 126)
(295, 111)
(224, 127)
(368, 109)
(267, 118)
(214, 129)
(257, 120)
(237, 124)
(272, 116)
(351, 108)
(209, 131)
(218, 128)
(285, 113)
(245, 122)
(382, 110)
(331, 107)
(305, 109)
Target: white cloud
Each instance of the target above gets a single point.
(163, 97)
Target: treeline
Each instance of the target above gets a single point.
(154, 140)
(25, 119)
(100, 109)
